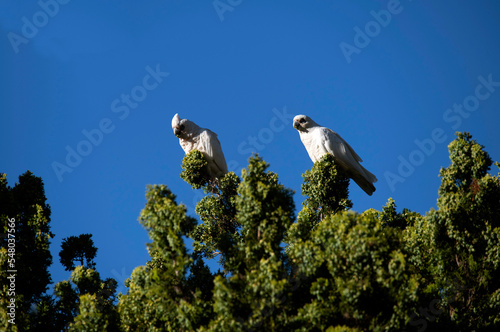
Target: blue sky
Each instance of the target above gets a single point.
(395, 79)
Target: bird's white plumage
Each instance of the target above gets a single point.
(192, 137)
(319, 141)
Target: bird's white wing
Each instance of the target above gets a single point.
(212, 147)
(342, 144)
(340, 149)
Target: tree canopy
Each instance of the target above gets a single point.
(77, 248)
(23, 206)
(325, 268)
(328, 269)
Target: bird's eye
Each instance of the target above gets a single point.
(302, 120)
(181, 127)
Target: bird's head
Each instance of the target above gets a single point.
(182, 128)
(303, 122)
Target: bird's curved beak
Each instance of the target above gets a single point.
(296, 124)
(177, 132)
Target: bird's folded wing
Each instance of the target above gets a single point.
(341, 145)
(213, 148)
(204, 141)
(342, 152)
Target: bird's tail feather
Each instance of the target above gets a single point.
(365, 180)
(368, 175)
(364, 184)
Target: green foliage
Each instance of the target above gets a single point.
(330, 270)
(66, 306)
(26, 203)
(96, 314)
(44, 317)
(390, 217)
(469, 162)
(326, 189)
(195, 170)
(85, 302)
(35, 310)
(78, 248)
(253, 297)
(265, 209)
(341, 271)
(355, 262)
(218, 232)
(341, 329)
(96, 310)
(159, 296)
(457, 246)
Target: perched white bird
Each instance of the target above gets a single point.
(320, 141)
(192, 137)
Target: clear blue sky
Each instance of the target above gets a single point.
(241, 69)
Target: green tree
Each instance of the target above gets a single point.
(326, 191)
(97, 309)
(162, 296)
(219, 231)
(329, 269)
(254, 295)
(357, 274)
(25, 208)
(78, 248)
(85, 302)
(456, 248)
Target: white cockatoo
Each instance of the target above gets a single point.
(192, 137)
(320, 141)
